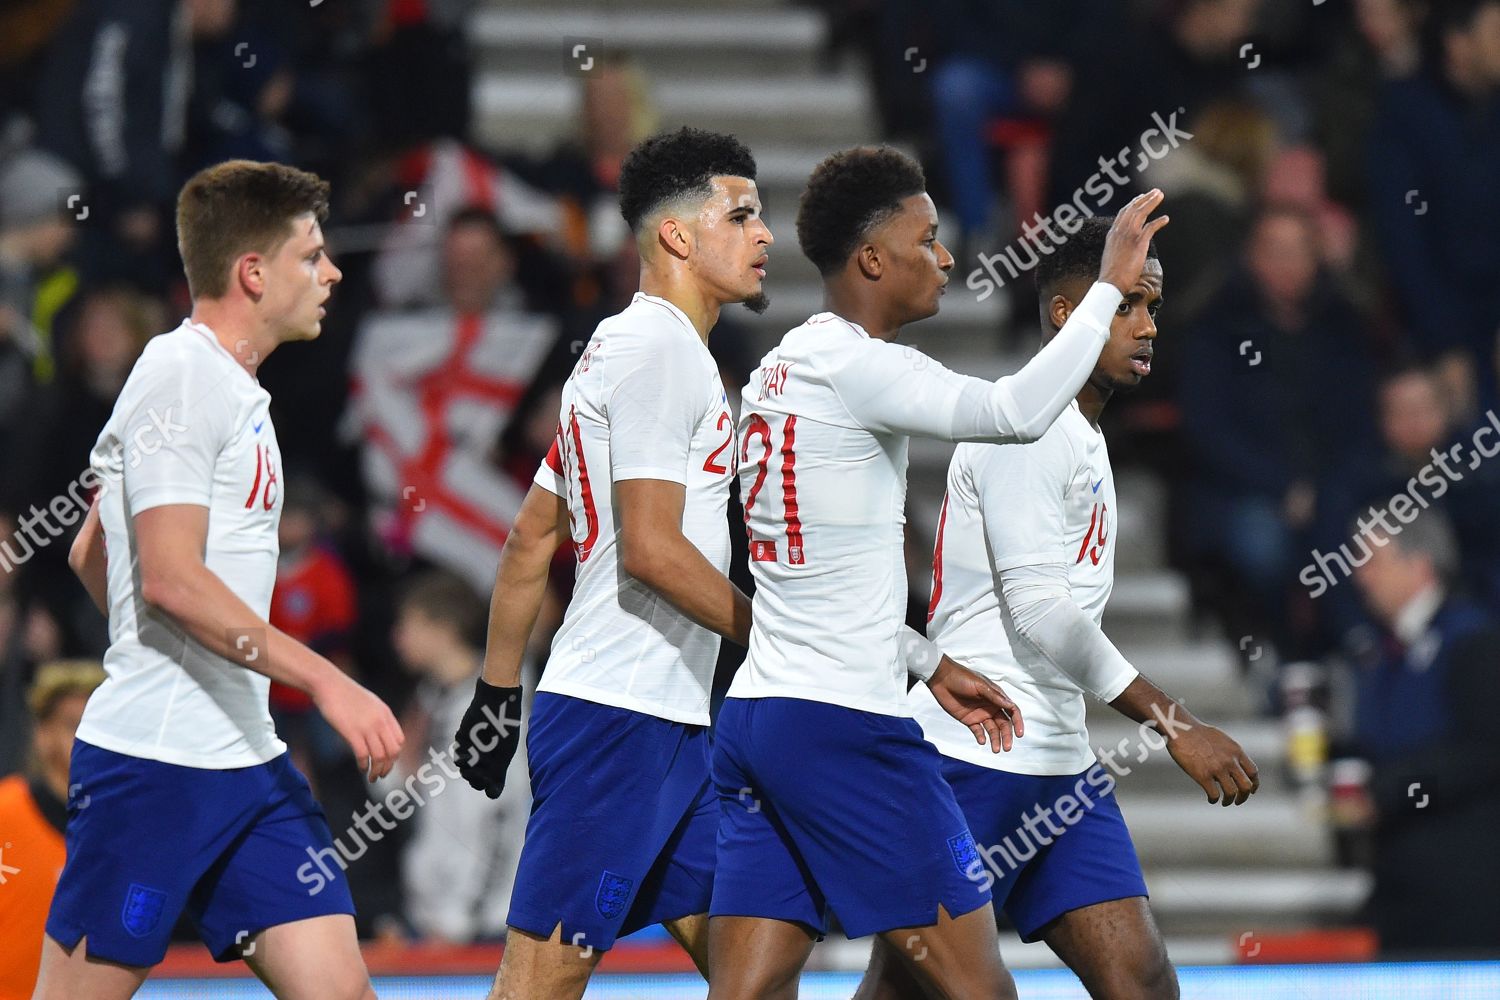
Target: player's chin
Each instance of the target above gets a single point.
(927, 310)
(936, 302)
(311, 330)
(757, 301)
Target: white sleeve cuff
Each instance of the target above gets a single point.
(918, 653)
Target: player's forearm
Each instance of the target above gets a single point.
(1040, 391)
(520, 589)
(1143, 701)
(685, 579)
(204, 607)
(540, 528)
(89, 561)
(1041, 608)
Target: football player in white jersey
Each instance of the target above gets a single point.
(1023, 568)
(832, 799)
(182, 797)
(623, 821)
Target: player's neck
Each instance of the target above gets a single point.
(848, 304)
(1091, 402)
(247, 342)
(679, 289)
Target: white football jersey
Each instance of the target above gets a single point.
(823, 434)
(1007, 506)
(190, 426)
(645, 401)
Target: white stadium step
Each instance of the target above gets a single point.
(533, 111)
(1184, 829)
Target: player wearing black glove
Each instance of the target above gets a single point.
(488, 737)
(490, 733)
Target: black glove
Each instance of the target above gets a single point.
(488, 737)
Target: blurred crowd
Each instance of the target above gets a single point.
(1323, 409)
(1332, 280)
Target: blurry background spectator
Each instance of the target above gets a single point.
(435, 183)
(432, 392)
(615, 114)
(1417, 425)
(99, 336)
(1427, 697)
(459, 864)
(28, 635)
(117, 82)
(34, 279)
(1433, 160)
(33, 812)
(1006, 60)
(1265, 422)
(315, 602)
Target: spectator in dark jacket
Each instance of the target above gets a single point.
(1424, 719)
(1434, 158)
(1275, 387)
(115, 87)
(1417, 427)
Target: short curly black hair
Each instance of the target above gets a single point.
(1079, 256)
(672, 164)
(849, 194)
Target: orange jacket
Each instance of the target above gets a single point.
(31, 859)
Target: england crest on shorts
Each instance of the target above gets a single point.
(142, 910)
(613, 894)
(965, 852)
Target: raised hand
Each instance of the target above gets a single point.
(1128, 240)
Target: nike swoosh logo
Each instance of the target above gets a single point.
(1098, 484)
(256, 428)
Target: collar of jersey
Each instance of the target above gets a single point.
(831, 317)
(207, 333)
(658, 300)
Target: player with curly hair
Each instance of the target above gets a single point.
(623, 822)
(832, 799)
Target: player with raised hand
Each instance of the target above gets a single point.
(182, 797)
(1023, 568)
(623, 820)
(831, 797)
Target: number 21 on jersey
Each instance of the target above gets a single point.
(764, 549)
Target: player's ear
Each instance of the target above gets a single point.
(870, 263)
(1058, 311)
(673, 237)
(250, 272)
